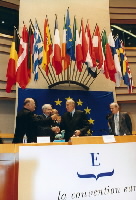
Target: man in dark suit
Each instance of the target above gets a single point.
(27, 122)
(74, 122)
(119, 122)
(49, 128)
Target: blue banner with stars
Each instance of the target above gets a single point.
(94, 103)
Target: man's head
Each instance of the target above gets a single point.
(47, 109)
(114, 107)
(70, 105)
(29, 104)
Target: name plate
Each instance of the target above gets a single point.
(109, 138)
(43, 139)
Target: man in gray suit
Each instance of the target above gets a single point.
(119, 122)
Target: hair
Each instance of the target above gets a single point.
(27, 100)
(70, 101)
(114, 104)
(45, 106)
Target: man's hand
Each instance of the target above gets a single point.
(77, 133)
(54, 116)
(55, 129)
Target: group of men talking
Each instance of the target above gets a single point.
(74, 122)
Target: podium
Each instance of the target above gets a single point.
(99, 139)
(9, 161)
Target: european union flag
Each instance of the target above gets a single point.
(95, 104)
(69, 40)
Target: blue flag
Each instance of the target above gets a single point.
(69, 40)
(95, 104)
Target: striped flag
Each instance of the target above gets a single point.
(56, 59)
(65, 56)
(78, 48)
(118, 74)
(12, 63)
(108, 57)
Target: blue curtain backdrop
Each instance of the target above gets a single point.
(94, 103)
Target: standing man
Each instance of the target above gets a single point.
(74, 122)
(27, 122)
(48, 128)
(119, 122)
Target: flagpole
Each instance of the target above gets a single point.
(83, 74)
(43, 75)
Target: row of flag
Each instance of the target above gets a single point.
(30, 51)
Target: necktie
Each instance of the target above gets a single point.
(116, 124)
(70, 114)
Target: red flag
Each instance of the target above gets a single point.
(22, 69)
(78, 48)
(47, 47)
(98, 46)
(109, 62)
(90, 45)
(84, 42)
(12, 63)
(56, 59)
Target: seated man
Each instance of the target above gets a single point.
(74, 122)
(48, 128)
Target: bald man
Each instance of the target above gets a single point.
(27, 122)
(74, 122)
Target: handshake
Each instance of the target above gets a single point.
(56, 117)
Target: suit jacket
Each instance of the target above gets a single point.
(44, 129)
(125, 124)
(79, 121)
(27, 123)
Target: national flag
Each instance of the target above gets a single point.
(90, 45)
(12, 63)
(120, 53)
(90, 59)
(78, 48)
(97, 44)
(22, 74)
(30, 50)
(69, 39)
(84, 44)
(37, 51)
(86, 53)
(47, 51)
(108, 57)
(118, 74)
(56, 59)
(127, 76)
(65, 56)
